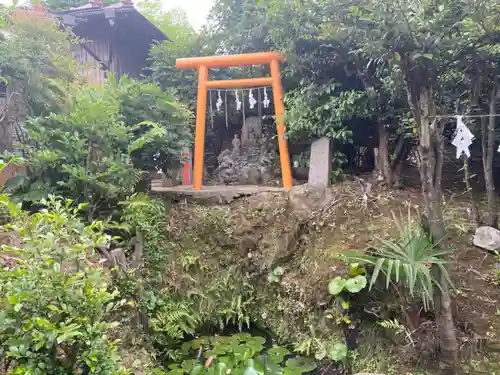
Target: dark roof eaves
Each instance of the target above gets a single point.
(118, 9)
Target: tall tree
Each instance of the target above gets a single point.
(173, 23)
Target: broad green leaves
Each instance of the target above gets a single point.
(352, 285)
(355, 284)
(319, 111)
(342, 289)
(241, 354)
(336, 285)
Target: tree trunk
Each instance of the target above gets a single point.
(431, 165)
(488, 145)
(474, 208)
(376, 161)
(383, 153)
(400, 154)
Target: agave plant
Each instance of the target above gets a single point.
(407, 260)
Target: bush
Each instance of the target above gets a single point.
(162, 125)
(97, 151)
(81, 154)
(56, 303)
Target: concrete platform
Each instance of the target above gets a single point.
(215, 194)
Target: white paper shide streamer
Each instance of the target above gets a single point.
(218, 103)
(463, 138)
(238, 101)
(266, 100)
(251, 100)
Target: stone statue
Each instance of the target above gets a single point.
(236, 147)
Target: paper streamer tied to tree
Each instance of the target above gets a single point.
(463, 138)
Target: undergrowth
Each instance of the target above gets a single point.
(180, 293)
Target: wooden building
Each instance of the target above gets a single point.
(114, 38)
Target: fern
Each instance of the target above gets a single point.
(175, 320)
(393, 325)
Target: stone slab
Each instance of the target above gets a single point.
(218, 194)
(320, 162)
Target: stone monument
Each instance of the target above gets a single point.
(320, 163)
(251, 132)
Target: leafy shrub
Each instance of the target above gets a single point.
(320, 110)
(341, 288)
(313, 111)
(176, 288)
(344, 290)
(37, 61)
(94, 152)
(81, 154)
(162, 125)
(56, 303)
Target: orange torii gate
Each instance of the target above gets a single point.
(260, 58)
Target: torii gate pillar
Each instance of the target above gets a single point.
(260, 58)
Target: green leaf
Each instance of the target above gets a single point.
(203, 340)
(253, 368)
(338, 352)
(277, 353)
(53, 308)
(188, 364)
(355, 284)
(376, 270)
(301, 363)
(278, 271)
(256, 343)
(356, 269)
(198, 369)
(345, 304)
(221, 368)
(242, 336)
(336, 285)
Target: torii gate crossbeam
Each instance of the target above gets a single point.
(260, 58)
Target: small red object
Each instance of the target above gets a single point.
(186, 170)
